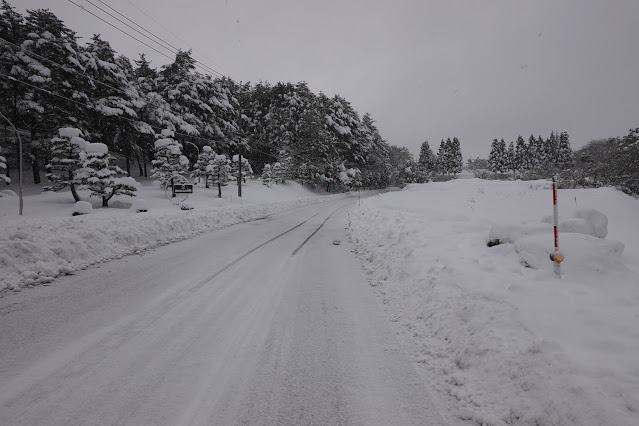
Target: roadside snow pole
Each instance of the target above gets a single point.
(557, 257)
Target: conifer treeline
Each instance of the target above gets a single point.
(49, 81)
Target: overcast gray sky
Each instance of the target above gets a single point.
(423, 69)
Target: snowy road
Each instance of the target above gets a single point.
(246, 325)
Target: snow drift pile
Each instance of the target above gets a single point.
(37, 251)
(493, 327)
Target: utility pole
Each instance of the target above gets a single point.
(19, 160)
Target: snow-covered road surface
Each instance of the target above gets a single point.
(227, 328)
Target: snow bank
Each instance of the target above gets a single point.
(71, 244)
(82, 207)
(491, 327)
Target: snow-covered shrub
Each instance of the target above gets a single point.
(206, 157)
(82, 207)
(598, 220)
(247, 170)
(140, 205)
(219, 173)
(66, 158)
(169, 160)
(103, 179)
(267, 175)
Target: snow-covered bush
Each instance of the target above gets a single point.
(140, 205)
(65, 160)
(247, 170)
(169, 160)
(267, 175)
(103, 179)
(219, 173)
(206, 157)
(82, 207)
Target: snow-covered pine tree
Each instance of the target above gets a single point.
(443, 157)
(65, 160)
(219, 172)
(564, 159)
(510, 158)
(426, 160)
(497, 157)
(206, 157)
(550, 152)
(169, 160)
(247, 170)
(3, 168)
(276, 170)
(104, 179)
(532, 154)
(520, 154)
(286, 165)
(456, 159)
(267, 175)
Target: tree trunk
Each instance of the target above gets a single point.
(105, 202)
(140, 165)
(127, 157)
(74, 192)
(219, 190)
(146, 174)
(35, 170)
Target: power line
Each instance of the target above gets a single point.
(162, 43)
(172, 33)
(197, 63)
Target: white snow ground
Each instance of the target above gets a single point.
(265, 322)
(508, 343)
(48, 241)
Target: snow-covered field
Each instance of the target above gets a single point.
(48, 241)
(492, 327)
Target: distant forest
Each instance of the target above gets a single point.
(49, 81)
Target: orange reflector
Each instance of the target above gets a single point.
(558, 257)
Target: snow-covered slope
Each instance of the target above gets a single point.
(492, 326)
(48, 241)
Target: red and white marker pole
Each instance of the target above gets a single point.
(556, 257)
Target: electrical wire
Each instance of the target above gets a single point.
(162, 43)
(174, 35)
(135, 38)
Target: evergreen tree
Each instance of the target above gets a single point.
(247, 170)
(497, 159)
(520, 155)
(206, 157)
(101, 177)
(267, 175)
(219, 172)
(426, 160)
(169, 160)
(532, 154)
(65, 153)
(510, 159)
(549, 155)
(276, 171)
(564, 158)
(456, 160)
(443, 157)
